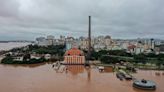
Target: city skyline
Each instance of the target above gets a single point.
(77, 37)
(125, 19)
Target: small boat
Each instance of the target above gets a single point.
(144, 84)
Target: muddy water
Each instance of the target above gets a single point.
(44, 78)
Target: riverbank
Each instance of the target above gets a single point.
(8, 60)
(5, 47)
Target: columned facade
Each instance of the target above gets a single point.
(74, 56)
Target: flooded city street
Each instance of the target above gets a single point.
(44, 78)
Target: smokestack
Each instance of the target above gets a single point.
(89, 38)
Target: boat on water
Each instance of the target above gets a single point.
(144, 84)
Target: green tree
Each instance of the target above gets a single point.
(7, 59)
(109, 60)
(140, 58)
(159, 63)
(26, 57)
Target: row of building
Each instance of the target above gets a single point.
(135, 46)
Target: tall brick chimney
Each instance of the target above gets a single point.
(89, 41)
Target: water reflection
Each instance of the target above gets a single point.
(79, 69)
(72, 69)
(75, 69)
(88, 74)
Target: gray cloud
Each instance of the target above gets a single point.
(9, 8)
(27, 19)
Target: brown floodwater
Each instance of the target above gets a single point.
(44, 78)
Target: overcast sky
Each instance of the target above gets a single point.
(28, 19)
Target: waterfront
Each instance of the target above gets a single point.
(10, 45)
(44, 78)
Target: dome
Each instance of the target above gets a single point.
(74, 51)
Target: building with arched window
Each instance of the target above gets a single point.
(74, 56)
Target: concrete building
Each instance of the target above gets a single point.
(139, 50)
(99, 47)
(50, 40)
(131, 49)
(108, 40)
(41, 41)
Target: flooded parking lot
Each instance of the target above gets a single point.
(44, 78)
